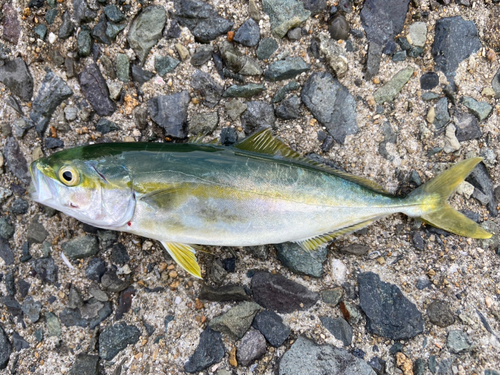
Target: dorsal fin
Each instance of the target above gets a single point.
(263, 142)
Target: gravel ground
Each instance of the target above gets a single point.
(462, 273)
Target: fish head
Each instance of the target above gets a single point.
(97, 192)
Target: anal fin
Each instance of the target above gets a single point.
(314, 243)
(185, 256)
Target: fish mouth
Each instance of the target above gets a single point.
(40, 189)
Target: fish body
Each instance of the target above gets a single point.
(258, 192)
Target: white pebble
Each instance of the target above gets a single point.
(339, 270)
(52, 38)
(178, 300)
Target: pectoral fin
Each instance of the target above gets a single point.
(185, 256)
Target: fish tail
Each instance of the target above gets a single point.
(436, 211)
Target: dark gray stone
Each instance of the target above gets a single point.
(294, 34)
(81, 247)
(5, 349)
(388, 312)
(280, 95)
(229, 136)
(331, 104)
(140, 75)
(85, 364)
(19, 342)
(339, 328)
(209, 351)
(378, 365)
(442, 115)
(333, 296)
(271, 326)
(244, 91)
(119, 254)
(314, 6)
(289, 109)
(72, 318)
(429, 80)
(355, 249)
(299, 260)
(467, 126)
(306, 357)
(7, 229)
(115, 338)
(113, 13)
(104, 126)
(201, 19)
(170, 112)
(439, 313)
(480, 109)
(252, 347)
(31, 309)
(52, 143)
(95, 89)
(208, 87)
(236, 321)
(284, 15)
(36, 231)
(339, 27)
(112, 283)
(46, 269)
(248, 34)
(202, 55)
(223, 293)
(16, 76)
(95, 269)
(99, 32)
(6, 252)
(67, 27)
(458, 341)
(286, 69)
(276, 292)
(12, 306)
(268, 46)
(455, 40)
(19, 207)
(238, 62)
(146, 30)
(258, 115)
(16, 163)
(82, 12)
(11, 24)
(216, 272)
(445, 367)
(203, 123)
(481, 180)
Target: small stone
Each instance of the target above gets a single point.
(276, 292)
(115, 338)
(378, 365)
(85, 364)
(417, 34)
(104, 126)
(112, 283)
(339, 27)
(253, 10)
(146, 30)
(112, 30)
(113, 13)
(202, 55)
(280, 95)
(228, 137)
(223, 293)
(235, 108)
(182, 51)
(6, 252)
(67, 27)
(170, 112)
(96, 268)
(481, 180)
(95, 89)
(32, 309)
(284, 15)
(286, 69)
(203, 123)
(333, 296)
(243, 91)
(480, 109)
(298, 260)
(140, 75)
(6, 228)
(209, 351)
(53, 325)
(19, 207)
(97, 293)
(356, 249)
(216, 272)
(442, 117)
(11, 24)
(41, 31)
(289, 108)
(52, 143)
(46, 269)
(36, 231)
(258, 115)
(236, 321)
(115, 89)
(339, 328)
(19, 342)
(266, 48)
(119, 254)
(208, 87)
(458, 341)
(439, 313)
(252, 347)
(15, 75)
(165, 64)
(429, 80)
(334, 55)
(399, 56)
(271, 326)
(388, 92)
(294, 34)
(248, 34)
(122, 67)
(81, 247)
(82, 12)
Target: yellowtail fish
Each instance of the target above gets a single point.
(256, 192)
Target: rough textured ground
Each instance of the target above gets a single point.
(464, 273)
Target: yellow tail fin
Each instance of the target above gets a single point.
(441, 215)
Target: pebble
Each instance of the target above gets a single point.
(339, 270)
(315, 6)
(182, 51)
(378, 365)
(13, 307)
(306, 357)
(202, 55)
(19, 342)
(208, 87)
(124, 302)
(355, 249)
(399, 56)
(417, 34)
(104, 126)
(294, 34)
(286, 69)
(170, 112)
(113, 339)
(209, 351)
(439, 313)
(333, 296)
(85, 364)
(236, 321)
(6, 252)
(284, 15)
(19, 207)
(202, 19)
(7, 229)
(237, 62)
(442, 116)
(96, 268)
(123, 67)
(67, 28)
(244, 91)
(429, 80)
(280, 95)
(234, 109)
(276, 292)
(203, 123)
(46, 270)
(36, 231)
(334, 55)
(268, 46)
(388, 92)
(331, 104)
(458, 341)
(299, 260)
(259, 114)
(141, 75)
(82, 13)
(15, 75)
(248, 33)
(228, 137)
(31, 309)
(112, 30)
(446, 51)
(252, 347)
(112, 283)
(271, 326)
(53, 325)
(216, 272)
(223, 294)
(95, 90)
(388, 312)
(52, 143)
(81, 247)
(495, 83)
(338, 27)
(451, 143)
(339, 328)
(11, 24)
(113, 13)
(480, 109)
(290, 109)
(146, 30)
(41, 31)
(481, 180)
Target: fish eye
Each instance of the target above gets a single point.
(69, 176)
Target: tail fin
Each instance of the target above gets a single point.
(434, 194)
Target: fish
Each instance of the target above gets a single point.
(255, 192)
